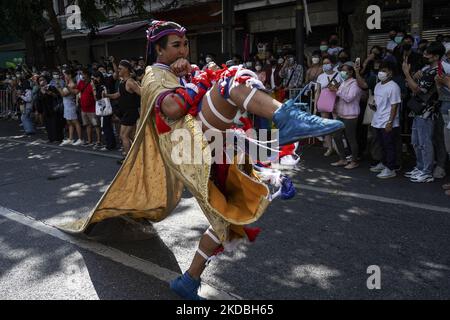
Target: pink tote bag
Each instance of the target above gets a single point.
(326, 101)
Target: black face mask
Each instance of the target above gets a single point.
(407, 46)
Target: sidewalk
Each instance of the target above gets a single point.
(11, 129)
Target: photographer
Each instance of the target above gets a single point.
(48, 101)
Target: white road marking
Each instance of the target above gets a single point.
(112, 254)
(336, 192)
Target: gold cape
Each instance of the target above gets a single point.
(149, 184)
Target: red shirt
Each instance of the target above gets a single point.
(87, 100)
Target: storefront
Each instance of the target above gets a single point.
(275, 25)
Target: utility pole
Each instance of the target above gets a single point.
(300, 31)
(227, 28)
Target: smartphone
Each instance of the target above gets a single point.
(358, 62)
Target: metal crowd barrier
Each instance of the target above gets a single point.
(307, 106)
(8, 108)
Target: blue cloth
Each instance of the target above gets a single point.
(422, 141)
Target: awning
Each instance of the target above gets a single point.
(122, 28)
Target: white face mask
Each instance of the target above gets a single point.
(249, 64)
(315, 60)
(280, 61)
(208, 60)
(258, 68)
(56, 76)
(383, 76)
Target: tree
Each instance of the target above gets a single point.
(29, 20)
(24, 19)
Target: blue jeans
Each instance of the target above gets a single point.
(422, 141)
(445, 107)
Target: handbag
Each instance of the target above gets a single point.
(419, 102)
(369, 113)
(103, 107)
(327, 98)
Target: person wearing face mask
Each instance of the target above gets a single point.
(260, 72)
(273, 79)
(369, 64)
(56, 81)
(391, 45)
(398, 39)
(343, 57)
(315, 69)
(386, 120)
(328, 82)
(249, 65)
(324, 48)
(27, 98)
(405, 50)
(334, 48)
(209, 59)
(348, 110)
(424, 106)
(292, 74)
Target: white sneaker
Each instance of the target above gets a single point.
(422, 178)
(439, 173)
(66, 143)
(413, 173)
(387, 174)
(78, 143)
(378, 168)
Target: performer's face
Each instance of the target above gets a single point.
(177, 48)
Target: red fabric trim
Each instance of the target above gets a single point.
(161, 126)
(252, 233)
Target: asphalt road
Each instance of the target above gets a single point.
(316, 246)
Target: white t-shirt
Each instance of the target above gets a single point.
(386, 95)
(324, 79)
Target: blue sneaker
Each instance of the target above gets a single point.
(294, 124)
(186, 287)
